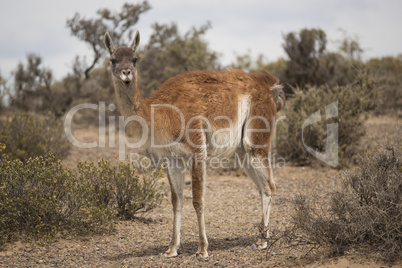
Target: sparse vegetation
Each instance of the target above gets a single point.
(42, 199)
(121, 188)
(29, 135)
(365, 214)
(352, 102)
(388, 72)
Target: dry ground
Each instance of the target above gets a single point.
(232, 213)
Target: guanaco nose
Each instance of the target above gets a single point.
(127, 72)
(126, 76)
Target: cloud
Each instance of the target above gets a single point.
(237, 26)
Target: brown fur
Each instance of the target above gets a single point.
(203, 97)
(203, 93)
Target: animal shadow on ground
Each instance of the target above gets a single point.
(186, 248)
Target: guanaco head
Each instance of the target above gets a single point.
(123, 59)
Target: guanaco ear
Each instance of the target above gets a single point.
(136, 41)
(108, 43)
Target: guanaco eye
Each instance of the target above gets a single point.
(113, 61)
(135, 60)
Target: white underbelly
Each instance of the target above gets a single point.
(225, 141)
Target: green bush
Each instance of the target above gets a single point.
(352, 101)
(30, 135)
(365, 214)
(121, 188)
(40, 198)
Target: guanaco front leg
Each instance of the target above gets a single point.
(176, 181)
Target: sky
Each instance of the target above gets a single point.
(238, 27)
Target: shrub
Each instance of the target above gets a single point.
(388, 72)
(121, 188)
(40, 198)
(352, 102)
(365, 214)
(29, 135)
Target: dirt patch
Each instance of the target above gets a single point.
(232, 215)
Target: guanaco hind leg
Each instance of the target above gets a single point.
(261, 173)
(198, 188)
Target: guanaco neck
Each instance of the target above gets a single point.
(131, 102)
